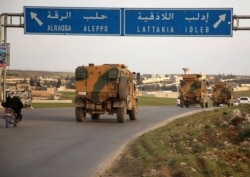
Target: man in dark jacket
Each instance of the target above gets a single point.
(15, 103)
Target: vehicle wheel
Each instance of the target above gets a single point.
(121, 113)
(15, 123)
(95, 116)
(123, 88)
(133, 114)
(7, 123)
(181, 104)
(80, 114)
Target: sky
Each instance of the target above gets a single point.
(144, 54)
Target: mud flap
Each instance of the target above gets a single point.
(118, 104)
(79, 102)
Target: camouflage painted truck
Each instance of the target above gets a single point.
(105, 89)
(193, 90)
(222, 94)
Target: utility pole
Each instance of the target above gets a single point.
(7, 20)
(1, 71)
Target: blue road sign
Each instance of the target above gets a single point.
(178, 22)
(80, 21)
(129, 21)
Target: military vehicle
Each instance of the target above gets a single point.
(106, 89)
(222, 94)
(193, 90)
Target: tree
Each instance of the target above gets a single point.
(59, 83)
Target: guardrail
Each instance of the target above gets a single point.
(51, 101)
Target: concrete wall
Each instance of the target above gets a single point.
(237, 89)
(43, 94)
(160, 94)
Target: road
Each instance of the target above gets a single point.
(49, 142)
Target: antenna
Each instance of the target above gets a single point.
(185, 70)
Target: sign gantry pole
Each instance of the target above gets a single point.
(6, 20)
(1, 98)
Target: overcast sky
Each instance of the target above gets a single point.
(147, 55)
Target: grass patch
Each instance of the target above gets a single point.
(198, 145)
(67, 95)
(156, 101)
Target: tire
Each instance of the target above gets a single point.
(95, 116)
(7, 122)
(123, 88)
(121, 113)
(133, 114)
(15, 122)
(182, 104)
(80, 114)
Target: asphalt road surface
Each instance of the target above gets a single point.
(50, 143)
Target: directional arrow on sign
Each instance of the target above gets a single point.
(34, 16)
(221, 18)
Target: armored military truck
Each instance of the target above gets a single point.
(106, 89)
(222, 94)
(193, 90)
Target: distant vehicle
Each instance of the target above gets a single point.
(178, 101)
(193, 90)
(222, 94)
(244, 100)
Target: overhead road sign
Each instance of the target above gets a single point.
(79, 21)
(129, 21)
(178, 22)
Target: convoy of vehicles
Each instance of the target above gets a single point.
(105, 89)
(193, 90)
(111, 89)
